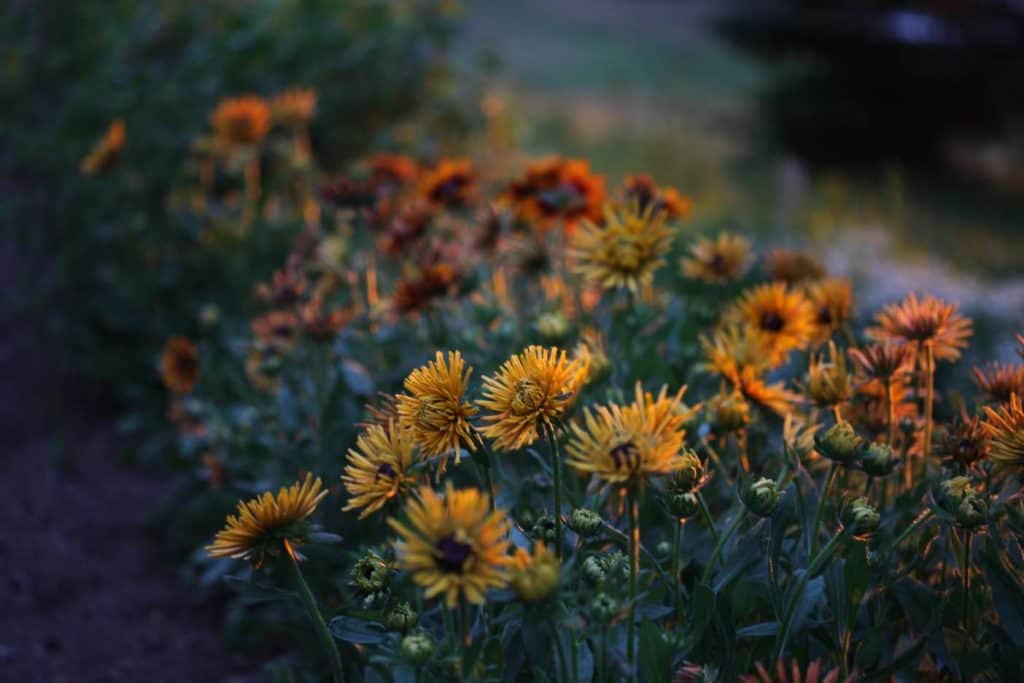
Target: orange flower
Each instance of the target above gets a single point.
(782, 316)
(792, 266)
(924, 321)
(105, 153)
(832, 300)
(451, 183)
(554, 188)
(392, 170)
(642, 189)
(434, 281)
(179, 365)
(276, 328)
(999, 381)
(718, 260)
(241, 120)
(883, 361)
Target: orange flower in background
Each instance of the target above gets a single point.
(179, 365)
(733, 348)
(293, 108)
(434, 281)
(774, 397)
(883, 361)
(106, 151)
(321, 323)
(449, 184)
(999, 381)
(719, 260)
(964, 442)
(782, 316)
(642, 189)
(868, 409)
(832, 300)
(924, 321)
(792, 266)
(406, 228)
(556, 188)
(241, 120)
(276, 328)
(286, 288)
(392, 170)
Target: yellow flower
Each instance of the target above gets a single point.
(718, 260)
(433, 408)
(828, 382)
(775, 397)
(537, 385)
(733, 348)
(792, 266)
(1005, 427)
(535, 576)
(241, 120)
(378, 468)
(832, 301)
(625, 251)
(924, 321)
(619, 444)
(784, 317)
(105, 153)
(453, 544)
(450, 184)
(179, 365)
(264, 522)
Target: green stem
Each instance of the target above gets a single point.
(821, 505)
(813, 569)
(921, 519)
(553, 442)
(602, 667)
(966, 570)
(706, 514)
(890, 411)
(722, 541)
(676, 541)
(634, 573)
(559, 652)
(867, 485)
(327, 640)
(929, 399)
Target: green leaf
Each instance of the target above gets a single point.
(1007, 592)
(655, 653)
(762, 630)
(857, 577)
(358, 631)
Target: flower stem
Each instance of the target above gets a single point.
(921, 519)
(634, 573)
(966, 570)
(720, 545)
(890, 411)
(556, 469)
(706, 514)
(676, 540)
(929, 399)
(327, 640)
(813, 569)
(821, 506)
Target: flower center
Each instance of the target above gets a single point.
(625, 456)
(527, 398)
(454, 554)
(432, 414)
(825, 316)
(386, 470)
(717, 264)
(772, 321)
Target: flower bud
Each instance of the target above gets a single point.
(972, 511)
(544, 528)
(401, 618)
(761, 497)
(689, 475)
(535, 577)
(860, 518)
(663, 548)
(683, 505)
(878, 460)
(593, 571)
(552, 326)
(728, 412)
(417, 647)
(371, 574)
(952, 492)
(840, 443)
(828, 383)
(959, 498)
(209, 316)
(584, 522)
(604, 607)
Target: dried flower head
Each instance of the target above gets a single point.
(378, 467)
(828, 382)
(792, 266)
(433, 407)
(449, 184)
(625, 251)
(555, 188)
(883, 361)
(924, 321)
(722, 259)
(668, 200)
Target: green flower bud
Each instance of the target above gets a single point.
(209, 316)
(584, 522)
(401, 618)
(615, 564)
(840, 443)
(689, 475)
(371, 574)
(663, 548)
(728, 413)
(604, 607)
(761, 497)
(593, 570)
(952, 492)
(552, 326)
(878, 460)
(544, 528)
(860, 518)
(417, 647)
(683, 505)
(972, 512)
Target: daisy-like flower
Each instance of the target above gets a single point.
(719, 260)
(241, 120)
(625, 251)
(293, 108)
(783, 316)
(963, 442)
(555, 188)
(533, 387)
(741, 356)
(999, 381)
(276, 328)
(794, 673)
(433, 282)
(620, 444)
(792, 266)
(535, 575)
(643, 190)
(378, 467)
(883, 361)
(450, 184)
(179, 365)
(391, 170)
(1005, 428)
(268, 523)
(433, 406)
(106, 151)
(453, 545)
(772, 396)
(832, 301)
(923, 321)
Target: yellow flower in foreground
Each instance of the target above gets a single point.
(378, 468)
(105, 153)
(719, 260)
(620, 443)
(625, 251)
(537, 385)
(784, 317)
(453, 544)
(433, 408)
(1005, 427)
(535, 576)
(264, 522)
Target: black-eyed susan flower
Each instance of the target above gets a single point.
(964, 442)
(773, 396)
(179, 365)
(106, 151)
(556, 188)
(832, 302)
(293, 108)
(432, 282)
(722, 259)
(378, 467)
(928, 321)
(267, 524)
(668, 200)
(733, 348)
(241, 120)
(792, 266)
(449, 184)
(531, 388)
(782, 316)
(453, 544)
(999, 381)
(433, 407)
(1005, 428)
(625, 251)
(534, 576)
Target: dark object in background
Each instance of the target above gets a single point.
(888, 79)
